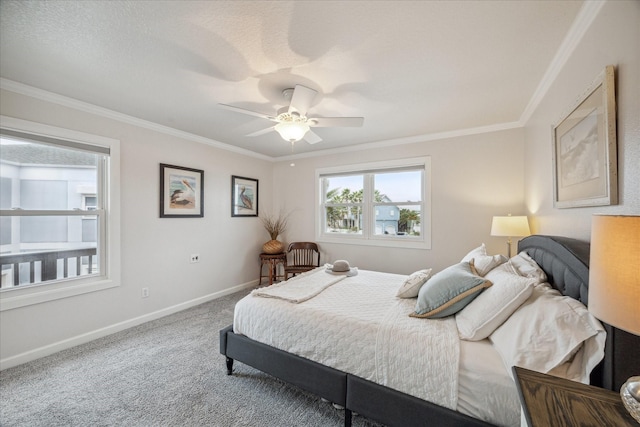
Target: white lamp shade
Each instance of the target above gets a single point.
(292, 131)
(510, 226)
(614, 271)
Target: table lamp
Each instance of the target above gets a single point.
(510, 226)
(614, 284)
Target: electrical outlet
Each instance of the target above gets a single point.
(145, 292)
(194, 258)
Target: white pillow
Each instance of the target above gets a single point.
(527, 267)
(546, 331)
(412, 284)
(493, 306)
(485, 263)
(479, 251)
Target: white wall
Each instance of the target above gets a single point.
(155, 251)
(612, 39)
(473, 178)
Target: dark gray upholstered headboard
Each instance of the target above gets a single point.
(566, 263)
(565, 260)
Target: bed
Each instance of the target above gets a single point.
(370, 386)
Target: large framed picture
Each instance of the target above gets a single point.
(244, 196)
(181, 192)
(584, 148)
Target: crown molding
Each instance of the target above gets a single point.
(588, 12)
(65, 101)
(407, 140)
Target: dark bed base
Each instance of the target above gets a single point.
(311, 376)
(372, 400)
(566, 262)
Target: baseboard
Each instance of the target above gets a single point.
(47, 350)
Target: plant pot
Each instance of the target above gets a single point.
(273, 247)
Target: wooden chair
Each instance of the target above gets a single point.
(301, 257)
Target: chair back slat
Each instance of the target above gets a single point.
(302, 256)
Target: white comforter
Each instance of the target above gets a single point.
(418, 358)
(357, 326)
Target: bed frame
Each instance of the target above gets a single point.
(566, 263)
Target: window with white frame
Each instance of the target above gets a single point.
(57, 214)
(89, 202)
(383, 203)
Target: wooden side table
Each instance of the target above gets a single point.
(552, 401)
(272, 261)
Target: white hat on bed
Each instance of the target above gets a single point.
(341, 267)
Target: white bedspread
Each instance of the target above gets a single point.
(357, 326)
(300, 288)
(418, 358)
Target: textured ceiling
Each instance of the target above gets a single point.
(410, 68)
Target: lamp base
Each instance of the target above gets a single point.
(630, 393)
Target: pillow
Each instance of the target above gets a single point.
(413, 283)
(493, 306)
(479, 251)
(527, 267)
(449, 291)
(545, 332)
(485, 263)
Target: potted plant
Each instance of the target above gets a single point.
(275, 226)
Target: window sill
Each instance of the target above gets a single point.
(382, 241)
(12, 298)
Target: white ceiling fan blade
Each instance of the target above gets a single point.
(311, 137)
(249, 112)
(262, 132)
(324, 122)
(301, 99)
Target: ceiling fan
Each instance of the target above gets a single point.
(292, 122)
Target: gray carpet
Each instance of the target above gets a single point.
(167, 372)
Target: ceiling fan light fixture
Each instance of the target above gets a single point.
(292, 131)
(292, 122)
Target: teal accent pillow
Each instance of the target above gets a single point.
(449, 291)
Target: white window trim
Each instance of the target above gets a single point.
(421, 242)
(17, 297)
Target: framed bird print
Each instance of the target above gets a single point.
(181, 192)
(244, 196)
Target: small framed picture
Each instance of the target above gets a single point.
(584, 148)
(244, 196)
(181, 192)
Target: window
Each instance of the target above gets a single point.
(384, 204)
(89, 202)
(59, 213)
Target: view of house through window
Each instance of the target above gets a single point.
(52, 220)
(378, 203)
(398, 202)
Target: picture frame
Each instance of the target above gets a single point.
(584, 148)
(244, 196)
(181, 192)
